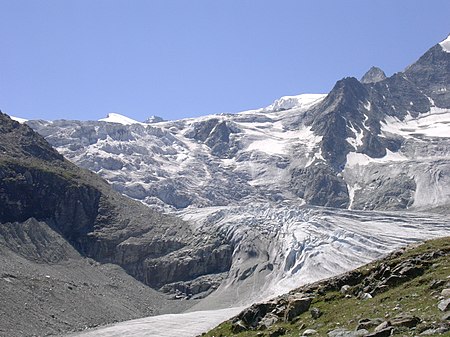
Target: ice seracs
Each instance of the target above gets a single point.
(299, 101)
(446, 44)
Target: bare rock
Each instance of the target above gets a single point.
(382, 326)
(367, 323)
(315, 313)
(405, 320)
(445, 292)
(309, 332)
(444, 305)
(297, 304)
(268, 320)
(386, 332)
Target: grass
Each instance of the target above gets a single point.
(414, 297)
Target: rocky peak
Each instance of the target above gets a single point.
(154, 119)
(431, 75)
(373, 75)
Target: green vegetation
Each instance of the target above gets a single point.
(417, 296)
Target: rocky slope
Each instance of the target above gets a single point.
(52, 213)
(404, 294)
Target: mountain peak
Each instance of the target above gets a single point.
(154, 119)
(446, 44)
(373, 75)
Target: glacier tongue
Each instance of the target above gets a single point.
(279, 247)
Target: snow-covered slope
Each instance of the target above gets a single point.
(119, 119)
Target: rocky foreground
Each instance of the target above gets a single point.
(405, 294)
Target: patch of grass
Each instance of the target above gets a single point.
(414, 297)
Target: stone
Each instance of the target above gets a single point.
(309, 332)
(315, 313)
(345, 289)
(436, 284)
(445, 292)
(365, 296)
(446, 317)
(386, 332)
(297, 304)
(238, 326)
(444, 305)
(382, 326)
(405, 320)
(368, 323)
(254, 314)
(268, 320)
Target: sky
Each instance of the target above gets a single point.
(82, 59)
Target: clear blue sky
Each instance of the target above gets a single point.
(80, 59)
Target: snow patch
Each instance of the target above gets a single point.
(269, 146)
(119, 119)
(435, 123)
(18, 119)
(446, 44)
(361, 159)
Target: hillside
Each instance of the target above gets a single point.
(405, 294)
(62, 226)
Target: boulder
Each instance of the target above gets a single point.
(444, 305)
(238, 326)
(386, 332)
(297, 304)
(382, 326)
(406, 321)
(368, 323)
(315, 313)
(268, 320)
(309, 332)
(445, 292)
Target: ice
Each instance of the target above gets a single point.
(435, 123)
(304, 101)
(446, 44)
(187, 325)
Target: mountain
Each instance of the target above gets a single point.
(325, 150)
(269, 199)
(61, 227)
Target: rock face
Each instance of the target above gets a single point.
(373, 75)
